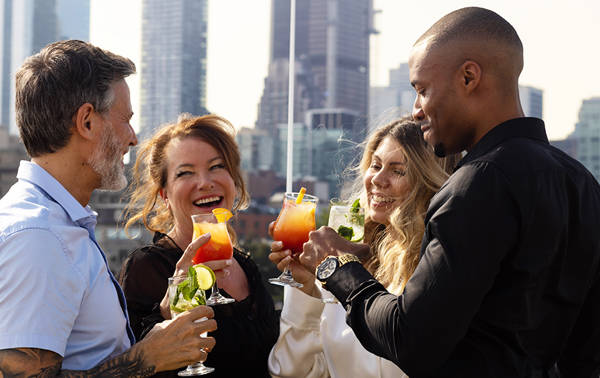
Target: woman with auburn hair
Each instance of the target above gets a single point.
(192, 167)
(398, 175)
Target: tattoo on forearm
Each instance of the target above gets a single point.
(130, 364)
(31, 362)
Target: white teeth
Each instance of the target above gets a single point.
(381, 199)
(207, 200)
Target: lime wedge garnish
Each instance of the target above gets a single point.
(204, 276)
(177, 309)
(349, 234)
(357, 238)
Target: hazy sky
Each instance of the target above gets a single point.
(560, 39)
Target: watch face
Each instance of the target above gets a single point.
(326, 268)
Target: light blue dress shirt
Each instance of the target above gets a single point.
(56, 291)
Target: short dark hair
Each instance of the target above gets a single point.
(52, 84)
(473, 22)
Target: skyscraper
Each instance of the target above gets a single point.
(331, 86)
(532, 101)
(173, 71)
(28, 26)
(587, 135)
(256, 148)
(392, 101)
(332, 59)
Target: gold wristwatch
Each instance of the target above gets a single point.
(332, 263)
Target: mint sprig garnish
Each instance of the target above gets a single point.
(345, 232)
(355, 217)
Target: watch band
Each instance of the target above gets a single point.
(342, 259)
(348, 257)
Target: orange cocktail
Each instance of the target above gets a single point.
(218, 247)
(295, 221)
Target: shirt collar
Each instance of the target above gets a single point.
(525, 127)
(35, 174)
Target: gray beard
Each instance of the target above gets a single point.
(106, 162)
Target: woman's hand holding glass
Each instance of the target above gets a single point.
(182, 267)
(282, 258)
(230, 277)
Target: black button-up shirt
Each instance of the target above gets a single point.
(508, 283)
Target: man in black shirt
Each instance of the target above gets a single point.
(509, 280)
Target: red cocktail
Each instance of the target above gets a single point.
(295, 221)
(218, 247)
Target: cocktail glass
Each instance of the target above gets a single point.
(218, 248)
(292, 226)
(181, 299)
(349, 222)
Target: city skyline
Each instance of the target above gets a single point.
(559, 58)
(26, 27)
(173, 51)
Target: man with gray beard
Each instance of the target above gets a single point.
(63, 312)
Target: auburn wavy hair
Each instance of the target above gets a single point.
(150, 169)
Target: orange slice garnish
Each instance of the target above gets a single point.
(222, 214)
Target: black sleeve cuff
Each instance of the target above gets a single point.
(345, 280)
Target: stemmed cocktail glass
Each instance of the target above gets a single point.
(296, 219)
(183, 296)
(218, 248)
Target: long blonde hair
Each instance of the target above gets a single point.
(150, 169)
(395, 248)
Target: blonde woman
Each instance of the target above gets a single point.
(398, 176)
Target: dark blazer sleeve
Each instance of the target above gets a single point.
(461, 256)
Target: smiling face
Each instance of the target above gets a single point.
(439, 105)
(117, 135)
(385, 181)
(197, 180)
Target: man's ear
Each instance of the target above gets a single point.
(83, 120)
(471, 75)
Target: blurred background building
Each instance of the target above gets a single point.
(392, 101)
(331, 89)
(532, 101)
(586, 136)
(173, 68)
(28, 26)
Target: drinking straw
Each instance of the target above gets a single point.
(300, 195)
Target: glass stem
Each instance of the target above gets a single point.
(287, 272)
(215, 290)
